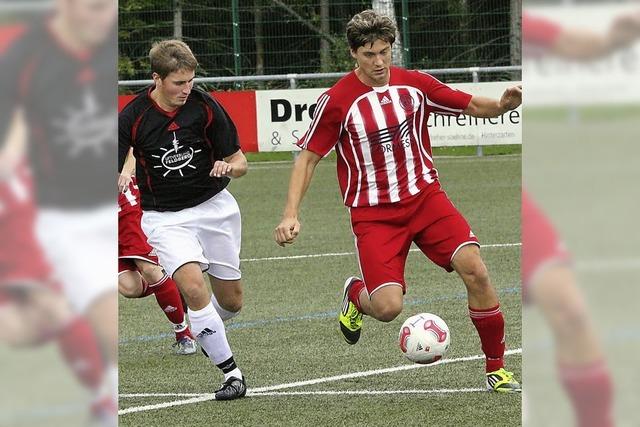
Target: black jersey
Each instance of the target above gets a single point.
(175, 151)
(70, 108)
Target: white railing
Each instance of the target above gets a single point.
(293, 78)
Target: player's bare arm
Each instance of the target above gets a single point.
(586, 44)
(233, 166)
(303, 170)
(483, 107)
(128, 170)
(13, 147)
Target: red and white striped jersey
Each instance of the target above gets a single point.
(381, 135)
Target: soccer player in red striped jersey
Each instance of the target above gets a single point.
(376, 117)
(548, 279)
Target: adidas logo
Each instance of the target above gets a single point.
(169, 309)
(471, 234)
(419, 347)
(205, 333)
(173, 126)
(492, 380)
(385, 100)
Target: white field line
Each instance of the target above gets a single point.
(333, 254)
(313, 393)
(286, 164)
(367, 392)
(613, 264)
(267, 389)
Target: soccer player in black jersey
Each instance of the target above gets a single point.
(57, 86)
(187, 149)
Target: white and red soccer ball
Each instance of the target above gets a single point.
(424, 338)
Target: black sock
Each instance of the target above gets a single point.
(228, 365)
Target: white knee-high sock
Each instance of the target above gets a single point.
(224, 314)
(207, 327)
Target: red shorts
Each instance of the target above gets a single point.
(384, 235)
(132, 243)
(22, 261)
(541, 246)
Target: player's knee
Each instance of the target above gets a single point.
(195, 294)
(476, 275)
(150, 272)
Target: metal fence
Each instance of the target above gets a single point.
(274, 37)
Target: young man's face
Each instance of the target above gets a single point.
(90, 21)
(374, 61)
(175, 88)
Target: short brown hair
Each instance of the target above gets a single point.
(368, 26)
(168, 56)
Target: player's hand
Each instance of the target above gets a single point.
(286, 231)
(625, 29)
(220, 169)
(123, 182)
(511, 98)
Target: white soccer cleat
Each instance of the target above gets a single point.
(186, 346)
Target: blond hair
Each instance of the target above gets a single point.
(168, 56)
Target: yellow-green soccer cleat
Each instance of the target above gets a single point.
(350, 318)
(502, 381)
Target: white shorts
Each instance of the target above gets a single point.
(82, 248)
(208, 233)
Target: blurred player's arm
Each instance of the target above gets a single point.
(14, 145)
(481, 106)
(586, 44)
(301, 175)
(128, 170)
(124, 139)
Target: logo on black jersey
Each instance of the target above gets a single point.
(177, 158)
(86, 127)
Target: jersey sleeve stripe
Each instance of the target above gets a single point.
(442, 107)
(322, 102)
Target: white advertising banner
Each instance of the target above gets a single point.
(612, 78)
(283, 116)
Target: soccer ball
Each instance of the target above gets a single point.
(424, 338)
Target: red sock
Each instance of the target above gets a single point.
(354, 293)
(490, 325)
(79, 347)
(591, 393)
(168, 297)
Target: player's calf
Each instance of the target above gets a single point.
(227, 297)
(130, 284)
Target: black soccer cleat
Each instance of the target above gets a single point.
(231, 389)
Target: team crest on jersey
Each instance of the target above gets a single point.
(406, 101)
(87, 127)
(177, 158)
